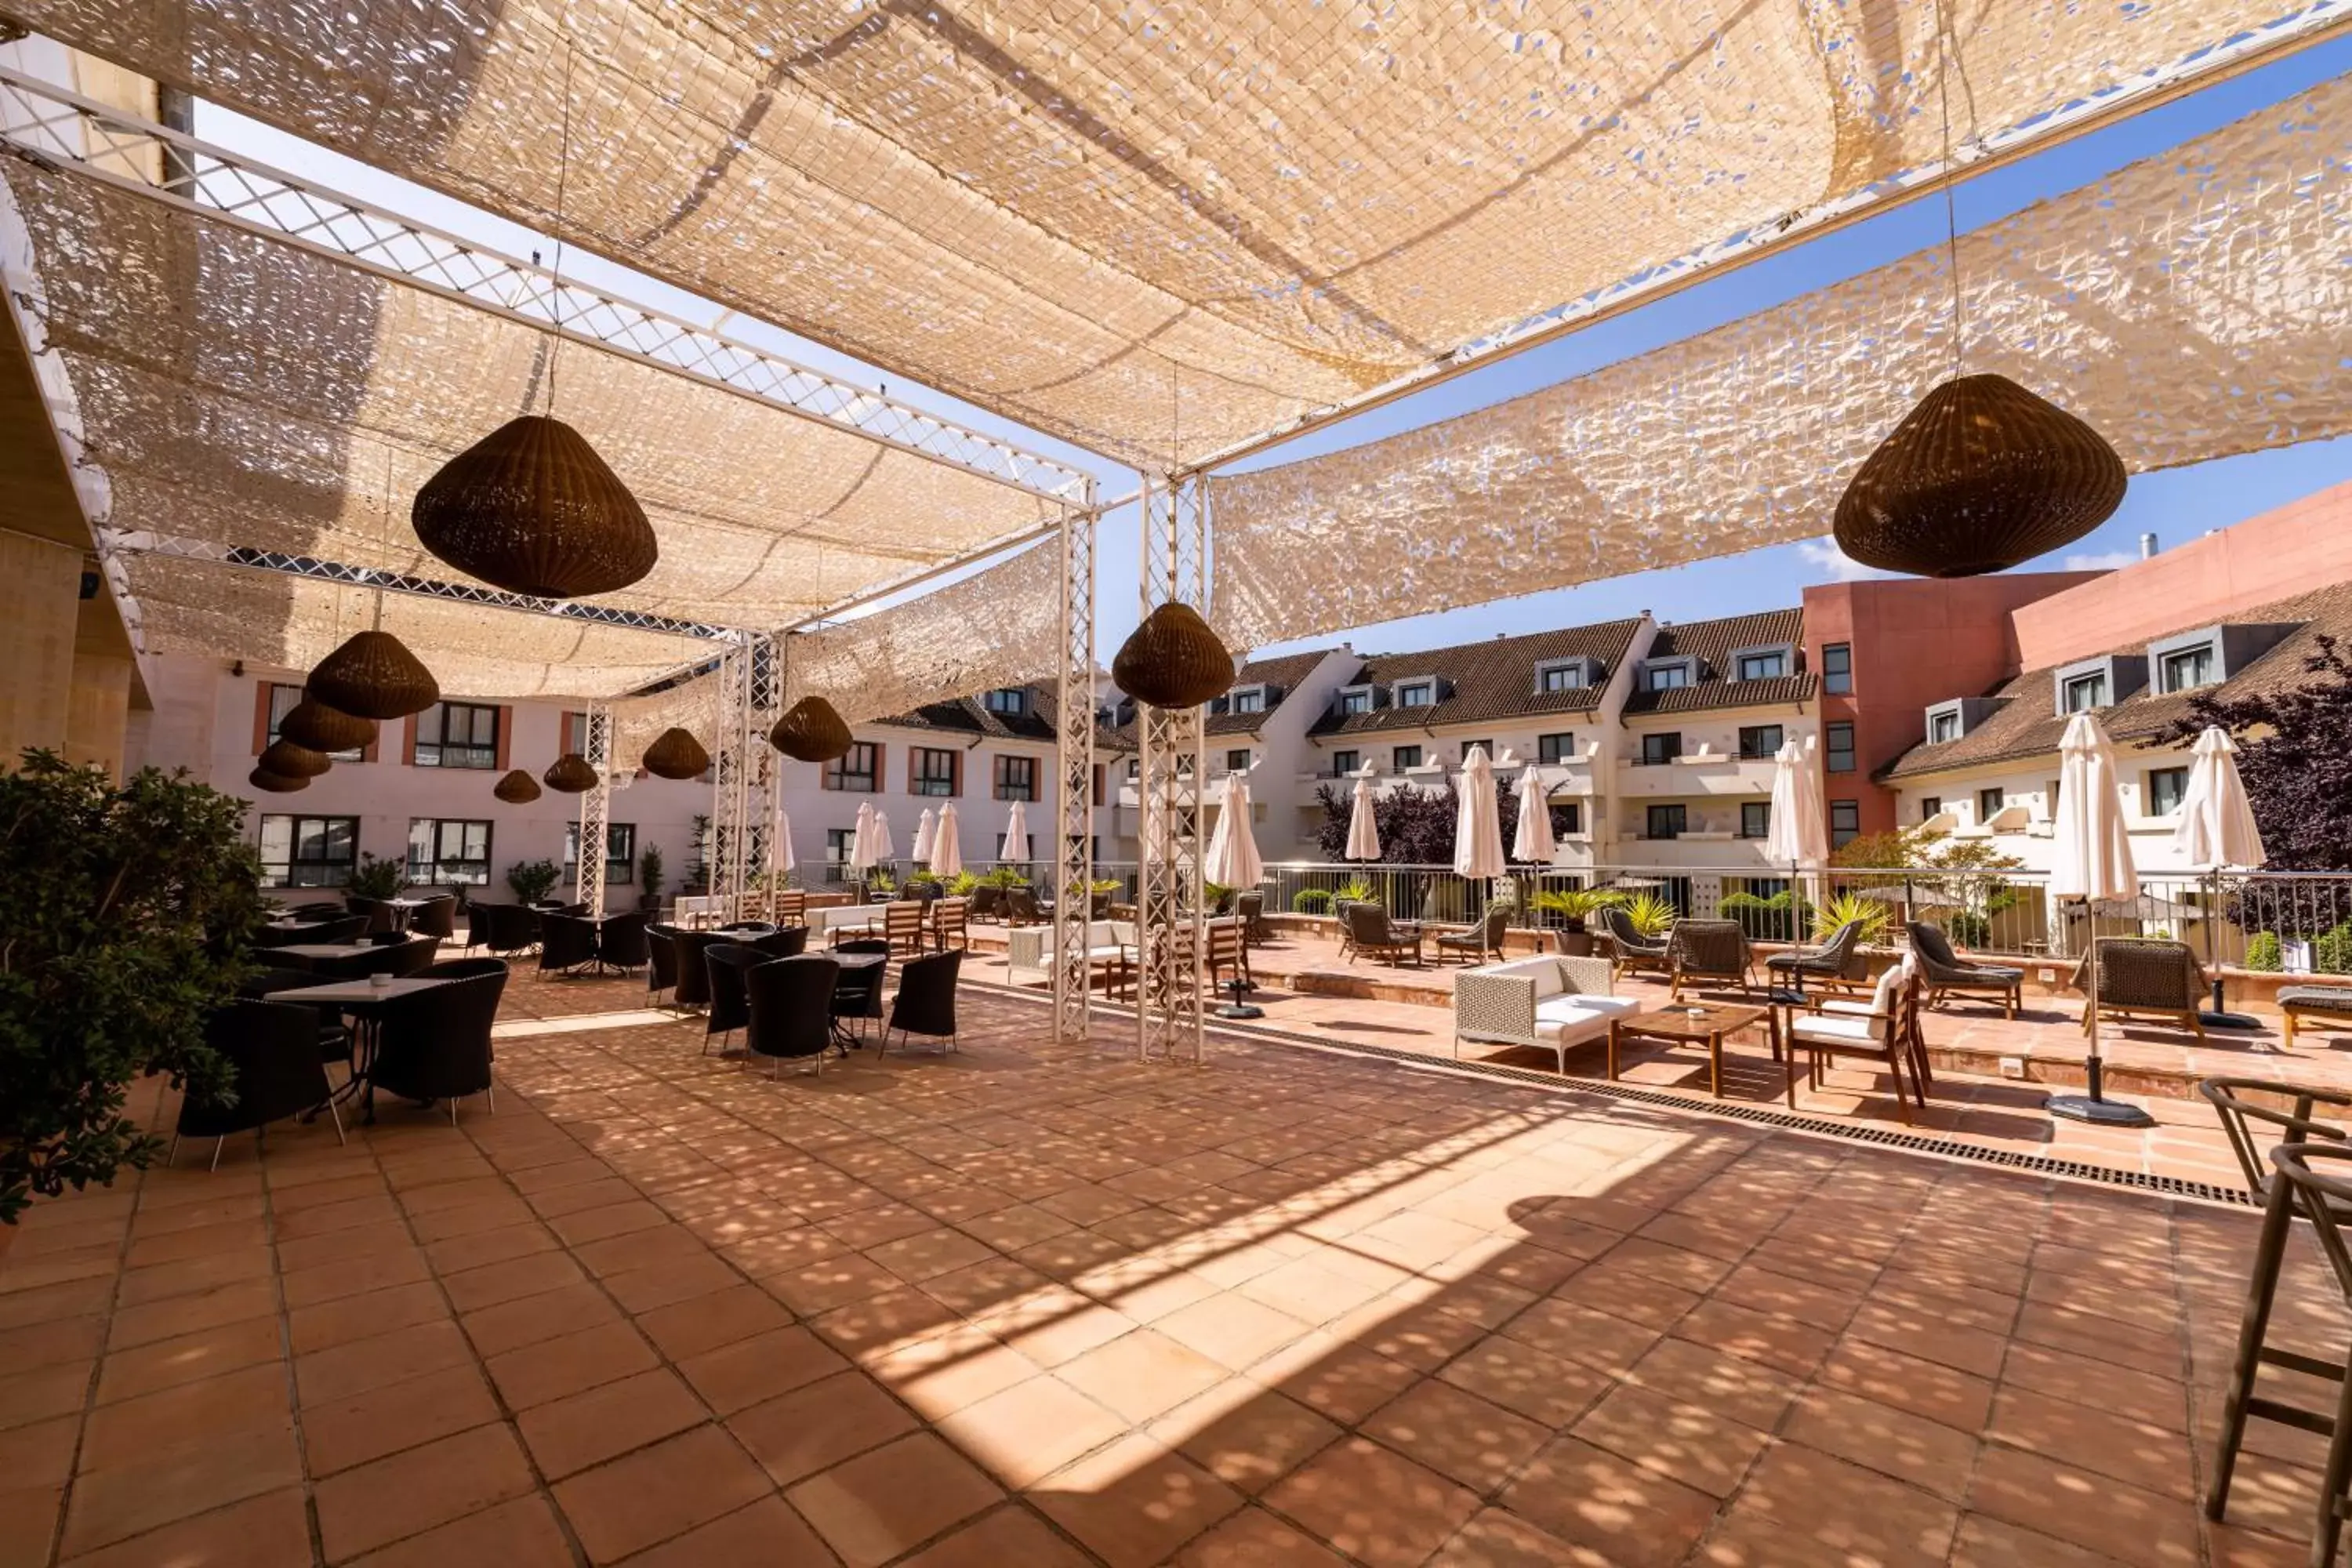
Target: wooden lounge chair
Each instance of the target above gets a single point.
(2297, 1003)
(1480, 940)
(2144, 977)
(1709, 954)
(1837, 963)
(1946, 972)
(1886, 1028)
(1628, 949)
(1369, 935)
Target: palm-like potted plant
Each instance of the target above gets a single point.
(650, 874)
(1574, 906)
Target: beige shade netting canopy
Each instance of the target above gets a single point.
(239, 389)
(2193, 305)
(1156, 231)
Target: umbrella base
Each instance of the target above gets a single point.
(1239, 1010)
(2228, 1021)
(2100, 1112)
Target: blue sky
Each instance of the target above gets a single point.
(2175, 505)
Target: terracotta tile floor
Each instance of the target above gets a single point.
(1039, 1305)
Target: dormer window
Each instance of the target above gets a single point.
(1010, 700)
(2186, 668)
(1354, 699)
(2089, 684)
(1762, 663)
(1417, 694)
(1945, 725)
(1249, 699)
(1557, 675)
(2082, 693)
(1669, 674)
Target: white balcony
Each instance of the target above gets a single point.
(1700, 774)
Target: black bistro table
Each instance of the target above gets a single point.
(363, 1002)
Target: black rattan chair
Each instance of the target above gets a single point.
(924, 1004)
(378, 914)
(436, 916)
(1627, 947)
(791, 1008)
(620, 943)
(858, 993)
(1945, 971)
(335, 1039)
(789, 943)
(565, 943)
(465, 968)
(1837, 962)
(661, 961)
(337, 932)
(435, 1044)
(729, 1009)
(505, 928)
(1480, 940)
(693, 980)
(272, 1051)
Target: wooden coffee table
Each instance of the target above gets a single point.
(1697, 1022)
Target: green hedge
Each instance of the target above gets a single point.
(1311, 902)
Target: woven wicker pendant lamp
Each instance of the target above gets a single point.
(569, 774)
(811, 732)
(373, 676)
(676, 755)
(288, 761)
(1172, 659)
(312, 724)
(518, 788)
(530, 507)
(275, 784)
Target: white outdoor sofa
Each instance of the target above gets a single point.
(1547, 1002)
(1030, 950)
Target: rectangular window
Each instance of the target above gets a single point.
(1560, 677)
(1134, 769)
(934, 770)
(575, 734)
(457, 735)
(1846, 822)
(1838, 747)
(2189, 668)
(855, 769)
(1930, 806)
(1755, 818)
(1569, 817)
(1251, 699)
(1989, 804)
(1016, 778)
(1007, 700)
(1657, 749)
(1099, 772)
(1357, 701)
(1666, 822)
(1837, 668)
(2166, 789)
(309, 851)
(1763, 666)
(443, 852)
(839, 842)
(282, 700)
(1344, 763)
(1760, 740)
(620, 852)
(1665, 677)
(1416, 694)
(2085, 692)
(1405, 757)
(1943, 727)
(1560, 748)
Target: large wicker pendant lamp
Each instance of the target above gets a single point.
(288, 761)
(373, 676)
(530, 507)
(811, 732)
(518, 788)
(275, 784)
(1983, 474)
(312, 724)
(569, 774)
(676, 755)
(1172, 659)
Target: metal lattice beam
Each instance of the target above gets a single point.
(1074, 753)
(63, 129)
(597, 811)
(1169, 908)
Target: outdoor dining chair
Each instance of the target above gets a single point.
(729, 1007)
(1884, 1029)
(565, 943)
(434, 1043)
(924, 1004)
(857, 996)
(661, 961)
(620, 943)
(791, 906)
(1709, 955)
(951, 920)
(790, 941)
(790, 1006)
(436, 916)
(902, 926)
(272, 1052)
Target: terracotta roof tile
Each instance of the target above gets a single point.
(1713, 643)
(1489, 681)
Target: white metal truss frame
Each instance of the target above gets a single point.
(597, 811)
(61, 129)
(743, 772)
(1168, 902)
(1074, 753)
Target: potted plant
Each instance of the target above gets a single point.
(961, 885)
(1574, 906)
(650, 876)
(1101, 890)
(377, 880)
(532, 880)
(130, 916)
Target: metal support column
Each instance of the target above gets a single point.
(596, 811)
(733, 759)
(763, 778)
(1074, 750)
(1168, 897)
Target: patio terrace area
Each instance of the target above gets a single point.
(1039, 1305)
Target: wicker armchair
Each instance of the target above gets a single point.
(1707, 954)
(1837, 962)
(1628, 948)
(2144, 977)
(1945, 971)
(1369, 935)
(1480, 940)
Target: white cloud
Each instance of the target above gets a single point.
(2105, 560)
(1834, 564)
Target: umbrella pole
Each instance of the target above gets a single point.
(2096, 1107)
(2220, 1018)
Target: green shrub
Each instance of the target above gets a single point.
(2262, 951)
(378, 878)
(532, 880)
(1311, 902)
(2332, 954)
(1968, 929)
(649, 871)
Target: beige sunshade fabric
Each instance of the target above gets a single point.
(481, 651)
(1156, 230)
(242, 390)
(2193, 305)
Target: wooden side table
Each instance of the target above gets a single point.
(1699, 1023)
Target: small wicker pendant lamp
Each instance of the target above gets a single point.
(1172, 659)
(288, 761)
(676, 755)
(275, 784)
(518, 788)
(811, 732)
(569, 774)
(373, 676)
(312, 724)
(1983, 474)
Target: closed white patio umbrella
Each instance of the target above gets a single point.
(884, 850)
(1478, 829)
(2217, 832)
(947, 843)
(780, 847)
(2091, 860)
(1363, 831)
(926, 831)
(1015, 850)
(1232, 859)
(1533, 843)
(1795, 835)
(861, 838)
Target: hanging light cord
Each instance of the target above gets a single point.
(1951, 211)
(562, 174)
